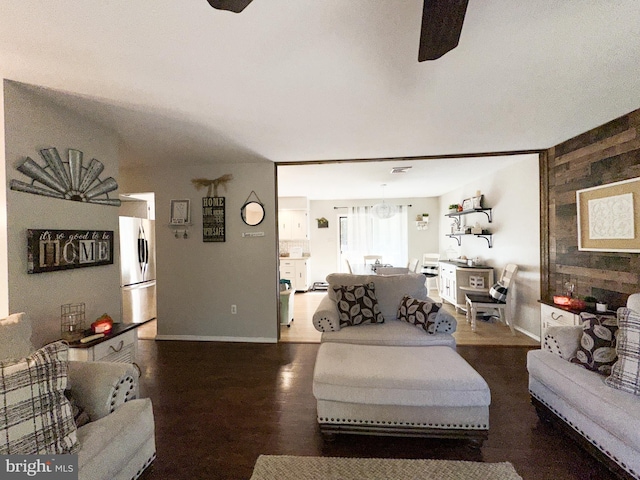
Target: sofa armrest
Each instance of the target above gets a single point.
(563, 340)
(101, 387)
(325, 318)
(445, 322)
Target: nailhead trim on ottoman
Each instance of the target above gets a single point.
(429, 391)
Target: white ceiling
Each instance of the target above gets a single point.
(425, 178)
(299, 80)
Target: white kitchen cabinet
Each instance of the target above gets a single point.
(458, 280)
(293, 224)
(296, 270)
(551, 316)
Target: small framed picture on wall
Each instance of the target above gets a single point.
(180, 212)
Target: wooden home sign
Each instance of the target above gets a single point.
(213, 219)
(51, 250)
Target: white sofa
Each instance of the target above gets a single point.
(389, 292)
(602, 419)
(119, 441)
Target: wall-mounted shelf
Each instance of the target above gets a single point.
(487, 236)
(486, 211)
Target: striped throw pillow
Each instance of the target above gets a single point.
(35, 415)
(625, 373)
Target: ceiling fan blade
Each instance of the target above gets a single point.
(441, 27)
(235, 6)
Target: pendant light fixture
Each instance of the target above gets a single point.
(384, 210)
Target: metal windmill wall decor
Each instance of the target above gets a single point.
(69, 180)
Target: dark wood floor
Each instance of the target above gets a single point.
(219, 405)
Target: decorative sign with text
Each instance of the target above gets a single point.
(51, 250)
(213, 219)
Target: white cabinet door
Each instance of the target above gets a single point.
(299, 224)
(293, 224)
(284, 224)
(302, 274)
(555, 317)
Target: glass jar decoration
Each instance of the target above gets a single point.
(72, 319)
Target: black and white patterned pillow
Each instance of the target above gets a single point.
(625, 374)
(357, 304)
(498, 292)
(421, 313)
(35, 416)
(597, 350)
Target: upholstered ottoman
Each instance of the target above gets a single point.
(389, 390)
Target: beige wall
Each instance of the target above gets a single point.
(4, 274)
(32, 123)
(198, 282)
(513, 194)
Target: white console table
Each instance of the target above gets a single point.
(118, 346)
(457, 279)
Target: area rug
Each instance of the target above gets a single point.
(286, 467)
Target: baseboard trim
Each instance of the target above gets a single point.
(206, 338)
(528, 334)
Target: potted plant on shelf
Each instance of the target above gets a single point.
(590, 301)
(425, 217)
(453, 208)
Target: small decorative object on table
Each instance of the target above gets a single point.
(72, 321)
(601, 307)
(104, 324)
(477, 200)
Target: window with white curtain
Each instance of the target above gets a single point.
(368, 235)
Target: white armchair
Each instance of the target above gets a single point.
(119, 440)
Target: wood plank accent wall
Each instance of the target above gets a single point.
(606, 154)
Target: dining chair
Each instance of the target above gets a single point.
(372, 258)
(485, 303)
(430, 269)
(413, 265)
(346, 260)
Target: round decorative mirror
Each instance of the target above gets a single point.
(252, 213)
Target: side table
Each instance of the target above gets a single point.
(118, 346)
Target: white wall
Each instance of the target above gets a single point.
(198, 282)
(324, 242)
(513, 194)
(33, 123)
(4, 260)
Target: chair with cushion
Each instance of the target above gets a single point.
(497, 299)
(49, 405)
(398, 312)
(430, 269)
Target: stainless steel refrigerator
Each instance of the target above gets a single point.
(137, 269)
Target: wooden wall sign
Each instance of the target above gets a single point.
(213, 219)
(51, 250)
